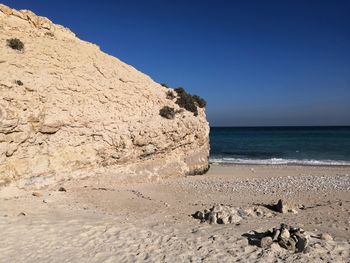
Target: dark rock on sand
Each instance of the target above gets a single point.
(284, 206)
(301, 242)
(62, 189)
(198, 215)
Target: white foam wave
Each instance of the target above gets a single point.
(228, 160)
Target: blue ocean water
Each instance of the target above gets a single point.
(281, 145)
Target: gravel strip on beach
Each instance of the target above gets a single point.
(288, 185)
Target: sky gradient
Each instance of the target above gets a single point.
(257, 63)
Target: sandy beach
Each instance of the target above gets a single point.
(96, 220)
(233, 146)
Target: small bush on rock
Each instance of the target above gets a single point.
(180, 90)
(15, 43)
(199, 101)
(167, 112)
(186, 101)
(50, 34)
(170, 95)
(164, 85)
(19, 83)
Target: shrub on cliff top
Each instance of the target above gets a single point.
(200, 101)
(167, 112)
(170, 95)
(15, 43)
(180, 90)
(186, 101)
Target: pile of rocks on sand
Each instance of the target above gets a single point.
(226, 214)
(288, 237)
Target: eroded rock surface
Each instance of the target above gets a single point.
(67, 109)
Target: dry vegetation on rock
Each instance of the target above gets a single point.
(15, 43)
(167, 112)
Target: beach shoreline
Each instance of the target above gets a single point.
(277, 165)
(286, 162)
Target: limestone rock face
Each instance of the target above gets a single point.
(69, 110)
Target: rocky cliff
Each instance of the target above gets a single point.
(69, 110)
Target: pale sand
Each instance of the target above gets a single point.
(99, 221)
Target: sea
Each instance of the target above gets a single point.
(280, 145)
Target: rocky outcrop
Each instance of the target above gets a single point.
(69, 110)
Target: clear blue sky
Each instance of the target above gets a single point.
(255, 62)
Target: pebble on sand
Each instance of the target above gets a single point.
(62, 189)
(326, 237)
(37, 194)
